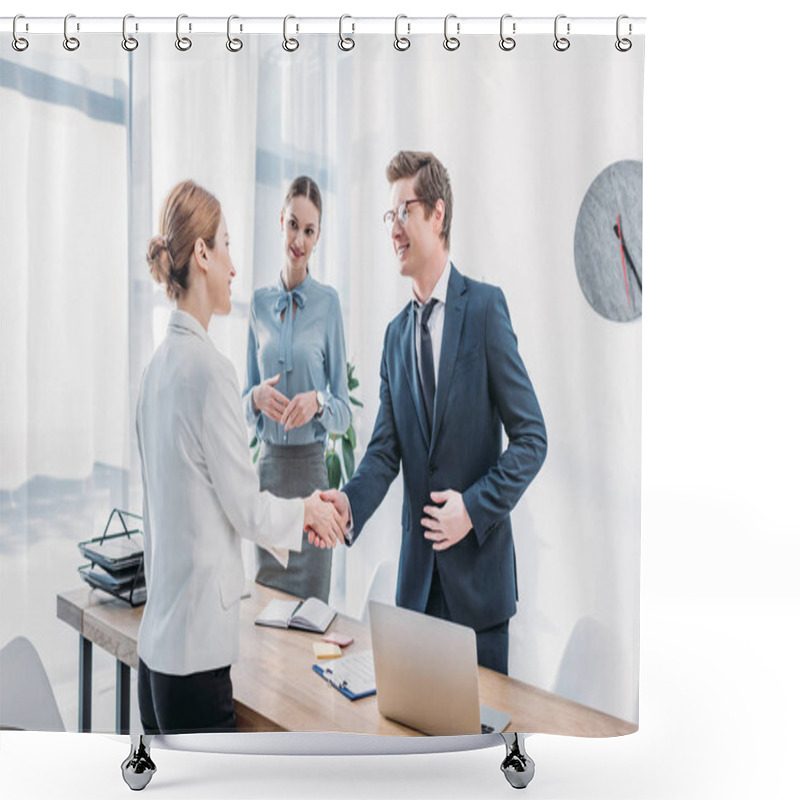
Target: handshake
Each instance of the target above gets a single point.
(326, 517)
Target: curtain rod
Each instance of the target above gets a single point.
(349, 25)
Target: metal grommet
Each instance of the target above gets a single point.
(623, 45)
(401, 42)
(507, 42)
(289, 44)
(451, 42)
(561, 43)
(129, 43)
(346, 43)
(19, 43)
(233, 44)
(183, 43)
(70, 42)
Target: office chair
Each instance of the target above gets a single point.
(27, 701)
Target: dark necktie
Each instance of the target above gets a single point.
(427, 375)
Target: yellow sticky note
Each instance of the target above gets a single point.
(326, 650)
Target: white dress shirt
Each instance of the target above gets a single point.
(201, 494)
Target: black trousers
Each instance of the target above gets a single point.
(198, 703)
(492, 642)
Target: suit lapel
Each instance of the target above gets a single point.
(451, 336)
(409, 356)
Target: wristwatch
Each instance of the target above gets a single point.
(321, 404)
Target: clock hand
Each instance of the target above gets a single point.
(617, 231)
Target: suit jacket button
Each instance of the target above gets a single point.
(431, 469)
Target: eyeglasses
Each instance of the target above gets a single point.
(400, 213)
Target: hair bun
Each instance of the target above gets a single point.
(159, 259)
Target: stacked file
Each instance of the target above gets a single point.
(116, 560)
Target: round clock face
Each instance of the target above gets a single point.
(608, 242)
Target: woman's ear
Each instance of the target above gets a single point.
(281, 220)
(201, 253)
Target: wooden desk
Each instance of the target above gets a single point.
(275, 688)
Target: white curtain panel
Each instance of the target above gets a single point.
(524, 134)
(63, 295)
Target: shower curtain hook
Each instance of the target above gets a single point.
(233, 44)
(289, 44)
(561, 43)
(401, 42)
(451, 42)
(507, 42)
(129, 43)
(346, 43)
(623, 45)
(71, 43)
(19, 43)
(183, 43)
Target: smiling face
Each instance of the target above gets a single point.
(220, 270)
(417, 244)
(300, 226)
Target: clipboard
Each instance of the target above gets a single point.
(336, 674)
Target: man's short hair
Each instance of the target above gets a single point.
(431, 182)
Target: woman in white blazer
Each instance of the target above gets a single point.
(201, 493)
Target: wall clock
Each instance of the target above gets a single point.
(608, 242)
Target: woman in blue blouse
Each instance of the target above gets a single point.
(296, 389)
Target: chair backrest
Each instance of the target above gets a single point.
(591, 666)
(27, 701)
(382, 586)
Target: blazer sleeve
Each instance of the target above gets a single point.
(494, 495)
(381, 462)
(267, 520)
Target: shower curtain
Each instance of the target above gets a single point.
(543, 148)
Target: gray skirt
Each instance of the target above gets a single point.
(295, 471)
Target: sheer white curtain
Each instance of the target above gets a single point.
(63, 284)
(194, 116)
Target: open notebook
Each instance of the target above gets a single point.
(312, 615)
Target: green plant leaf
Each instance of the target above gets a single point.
(254, 442)
(357, 403)
(353, 383)
(350, 436)
(334, 470)
(349, 458)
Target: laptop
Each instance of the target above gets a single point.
(426, 673)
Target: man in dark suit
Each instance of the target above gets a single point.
(451, 374)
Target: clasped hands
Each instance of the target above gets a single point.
(446, 524)
(323, 521)
(292, 413)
